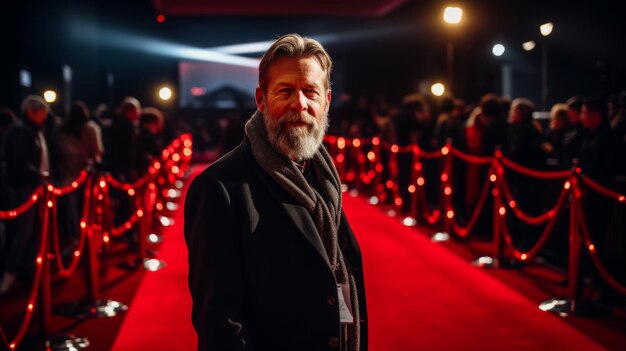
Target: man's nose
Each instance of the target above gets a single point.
(298, 102)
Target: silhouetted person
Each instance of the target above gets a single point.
(599, 159)
(28, 166)
(573, 138)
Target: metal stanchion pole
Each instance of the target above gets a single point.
(565, 307)
(495, 260)
(444, 235)
(147, 233)
(53, 342)
(93, 306)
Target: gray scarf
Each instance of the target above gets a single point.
(323, 206)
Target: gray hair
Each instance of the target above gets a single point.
(33, 103)
(296, 46)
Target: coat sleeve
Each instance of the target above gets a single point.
(215, 266)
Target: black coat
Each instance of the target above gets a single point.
(258, 275)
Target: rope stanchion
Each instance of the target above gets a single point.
(92, 306)
(591, 248)
(38, 196)
(19, 210)
(446, 197)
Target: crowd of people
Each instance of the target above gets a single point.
(41, 147)
(584, 132)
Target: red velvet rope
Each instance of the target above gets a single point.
(19, 210)
(469, 158)
(592, 184)
(61, 191)
(528, 255)
(71, 268)
(464, 231)
(532, 220)
(545, 175)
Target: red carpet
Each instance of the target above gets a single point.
(159, 318)
(421, 296)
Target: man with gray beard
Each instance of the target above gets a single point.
(273, 263)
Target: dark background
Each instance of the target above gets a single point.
(375, 54)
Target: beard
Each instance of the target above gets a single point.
(299, 142)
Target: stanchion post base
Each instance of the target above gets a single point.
(95, 309)
(66, 342)
(485, 262)
(560, 307)
(440, 237)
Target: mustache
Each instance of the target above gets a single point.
(292, 117)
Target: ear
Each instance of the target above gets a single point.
(328, 96)
(258, 94)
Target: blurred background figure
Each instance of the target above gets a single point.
(28, 165)
(554, 146)
(77, 146)
(7, 119)
(149, 141)
(119, 140)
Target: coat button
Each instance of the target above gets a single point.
(333, 342)
(332, 300)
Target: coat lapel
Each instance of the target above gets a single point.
(295, 211)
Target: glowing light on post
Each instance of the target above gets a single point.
(371, 156)
(131, 192)
(502, 211)
(102, 183)
(450, 214)
(412, 188)
(395, 148)
(592, 247)
(437, 89)
(447, 190)
(453, 15)
(523, 257)
(567, 185)
(493, 178)
(30, 307)
(498, 50)
(50, 96)
(165, 93)
(529, 45)
(356, 142)
(420, 181)
(546, 29)
(444, 177)
(341, 143)
(445, 150)
(375, 141)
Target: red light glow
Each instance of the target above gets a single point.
(160, 19)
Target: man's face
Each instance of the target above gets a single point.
(295, 106)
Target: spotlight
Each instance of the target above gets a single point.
(50, 96)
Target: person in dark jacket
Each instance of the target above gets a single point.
(28, 165)
(273, 263)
